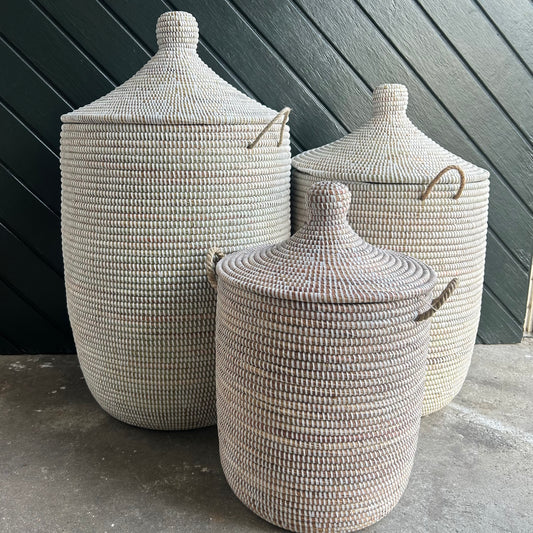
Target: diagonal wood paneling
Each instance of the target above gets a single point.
(513, 24)
(468, 66)
(452, 82)
(457, 22)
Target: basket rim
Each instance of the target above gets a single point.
(321, 297)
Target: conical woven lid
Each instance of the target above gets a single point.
(326, 261)
(174, 87)
(388, 149)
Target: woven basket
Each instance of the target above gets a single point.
(413, 196)
(153, 175)
(321, 356)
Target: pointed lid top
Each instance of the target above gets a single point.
(174, 87)
(387, 149)
(327, 262)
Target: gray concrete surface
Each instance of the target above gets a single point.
(65, 465)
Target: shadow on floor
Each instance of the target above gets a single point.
(56, 436)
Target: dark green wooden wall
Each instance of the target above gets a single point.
(467, 64)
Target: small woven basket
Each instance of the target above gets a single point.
(413, 196)
(153, 175)
(321, 356)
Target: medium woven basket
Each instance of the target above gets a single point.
(155, 173)
(411, 195)
(321, 356)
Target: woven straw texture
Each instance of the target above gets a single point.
(320, 372)
(388, 165)
(153, 175)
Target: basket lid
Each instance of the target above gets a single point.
(389, 148)
(174, 87)
(327, 262)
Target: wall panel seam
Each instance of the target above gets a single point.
(8, 340)
(287, 66)
(443, 106)
(112, 15)
(328, 40)
(30, 304)
(501, 33)
(508, 312)
(99, 68)
(30, 129)
(5, 224)
(481, 338)
(24, 59)
(14, 176)
(520, 132)
(109, 7)
(523, 267)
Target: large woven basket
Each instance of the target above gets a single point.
(321, 356)
(411, 195)
(170, 163)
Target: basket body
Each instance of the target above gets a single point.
(141, 205)
(318, 399)
(318, 408)
(447, 233)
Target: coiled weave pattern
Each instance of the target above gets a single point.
(153, 175)
(320, 372)
(388, 164)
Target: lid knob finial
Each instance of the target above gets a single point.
(389, 100)
(329, 202)
(177, 29)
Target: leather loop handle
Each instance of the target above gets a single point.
(439, 301)
(437, 178)
(213, 257)
(285, 114)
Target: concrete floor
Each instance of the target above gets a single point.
(65, 465)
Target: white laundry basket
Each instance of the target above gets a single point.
(168, 164)
(322, 344)
(411, 195)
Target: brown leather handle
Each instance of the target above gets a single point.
(285, 113)
(437, 178)
(213, 257)
(439, 301)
